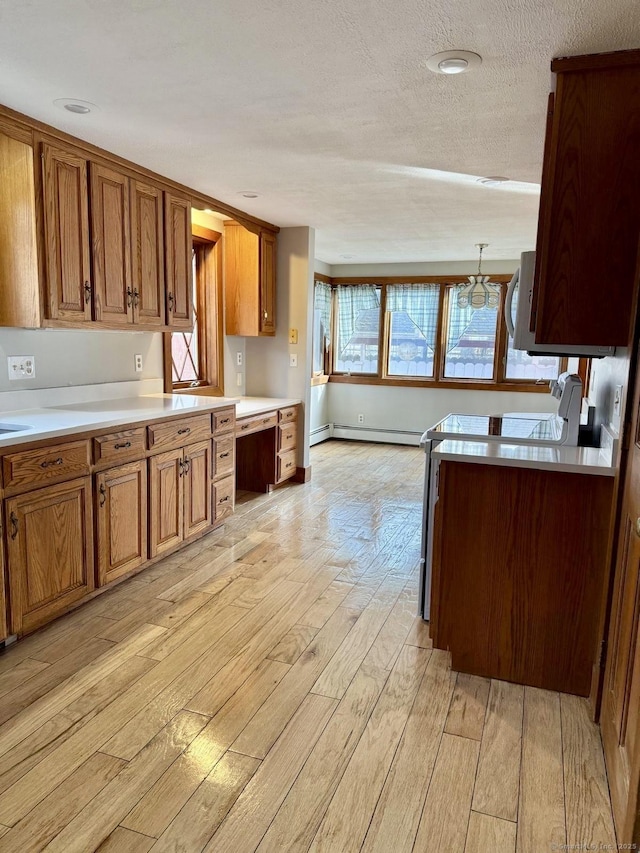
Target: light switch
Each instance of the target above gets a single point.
(293, 359)
(293, 336)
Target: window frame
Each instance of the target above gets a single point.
(321, 377)
(448, 283)
(208, 287)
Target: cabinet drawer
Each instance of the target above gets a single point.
(223, 499)
(288, 414)
(224, 421)
(286, 465)
(47, 464)
(245, 426)
(179, 432)
(223, 456)
(116, 446)
(287, 435)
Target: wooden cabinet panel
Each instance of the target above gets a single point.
(178, 432)
(518, 573)
(66, 219)
(224, 421)
(223, 499)
(118, 447)
(147, 254)
(223, 456)
(256, 423)
(267, 284)
(589, 214)
(250, 281)
(286, 465)
(179, 261)
(121, 512)
(288, 414)
(27, 469)
(50, 552)
(4, 625)
(166, 502)
(113, 297)
(287, 436)
(197, 488)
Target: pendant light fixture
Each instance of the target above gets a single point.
(479, 293)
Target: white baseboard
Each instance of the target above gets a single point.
(321, 433)
(386, 436)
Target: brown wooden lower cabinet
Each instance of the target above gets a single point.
(4, 627)
(519, 571)
(50, 551)
(179, 496)
(121, 520)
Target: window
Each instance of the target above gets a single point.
(193, 360)
(399, 331)
(321, 327)
(358, 329)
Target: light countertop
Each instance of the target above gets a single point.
(257, 405)
(67, 419)
(564, 459)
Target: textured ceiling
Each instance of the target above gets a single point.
(324, 107)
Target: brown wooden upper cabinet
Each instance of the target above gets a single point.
(249, 281)
(589, 220)
(179, 261)
(66, 222)
(106, 233)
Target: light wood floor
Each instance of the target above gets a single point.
(271, 689)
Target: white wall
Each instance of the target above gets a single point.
(267, 359)
(462, 268)
(606, 373)
(319, 419)
(79, 357)
(321, 267)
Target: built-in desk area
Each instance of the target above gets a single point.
(266, 442)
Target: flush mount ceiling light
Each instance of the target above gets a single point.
(347, 257)
(76, 106)
(453, 62)
(493, 181)
(479, 293)
(248, 194)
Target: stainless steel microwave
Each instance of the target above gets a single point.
(518, 316)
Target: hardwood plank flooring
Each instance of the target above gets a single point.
(270, 688)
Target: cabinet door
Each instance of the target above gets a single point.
(121, 509)
(147, 253)
(50, 552)
(166, 502)
(111, 246)
(179, 258)
(66, 221)
(267, 284)
(197, 488)
(4, 628)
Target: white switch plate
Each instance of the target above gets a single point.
(239, 359)
(21, 367)
(138, 362)
(293, 359)
(239, 380)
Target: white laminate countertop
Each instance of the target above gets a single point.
(571, 460)
(63, 420)
(257, 405)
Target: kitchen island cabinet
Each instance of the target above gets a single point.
(519, 569)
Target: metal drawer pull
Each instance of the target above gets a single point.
(14, 524)
(225, 420)
(87, 291)
(245, 426)
(224, 455)
(103, 495)
(170, 300)
(288, 465)
(136, 298)
(187, 466)
(266, 420)
(122, 446)
(129, 297)
(181, 464)
(184, 431)
(223, 500)
(49, 462)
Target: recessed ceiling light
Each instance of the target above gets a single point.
(76, 106)
(453, 62)
(248, 194)
(493, 180)
(348, 257)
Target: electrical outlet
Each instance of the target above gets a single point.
(293, 359)
(137, 359)
(617, 404)
(360, 419)
(239, 359)
(21, 367)
(239, 380)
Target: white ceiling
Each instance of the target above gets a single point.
(324, 107)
